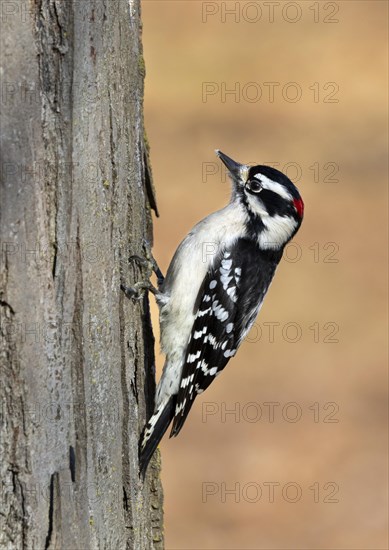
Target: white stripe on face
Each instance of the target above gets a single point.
(278, 230)
(271, 185)
(256, 206)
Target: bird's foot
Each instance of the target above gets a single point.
(136, 291)
(149, 262)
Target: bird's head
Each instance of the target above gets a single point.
(273, 203)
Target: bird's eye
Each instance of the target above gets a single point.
(254, 186)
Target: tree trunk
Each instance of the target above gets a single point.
(77, 363)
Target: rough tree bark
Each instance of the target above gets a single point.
(76, 355)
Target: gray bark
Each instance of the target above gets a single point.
(77, 363)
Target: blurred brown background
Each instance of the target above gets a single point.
(323, 372)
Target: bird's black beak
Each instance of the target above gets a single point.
(237, 171)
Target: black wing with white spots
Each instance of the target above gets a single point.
(226, 307)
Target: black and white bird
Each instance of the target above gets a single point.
(214, 289)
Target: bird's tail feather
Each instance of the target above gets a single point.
(154, 431)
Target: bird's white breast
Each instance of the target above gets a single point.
(194, 256)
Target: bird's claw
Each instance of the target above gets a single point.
(142, 261)
(148, 262)
(134, 292)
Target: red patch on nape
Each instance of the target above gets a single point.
(299, 206)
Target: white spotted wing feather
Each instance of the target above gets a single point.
(227, 305)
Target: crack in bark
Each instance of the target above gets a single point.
(6, 305)
(148, 181)
(54, 263)
(112, 141)
(23, 504)
(133, 382)
(125, 500)
(51, 511)
(18, 491)
(78, 373)
(72, 463)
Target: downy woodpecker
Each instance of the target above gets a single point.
(214, 289)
